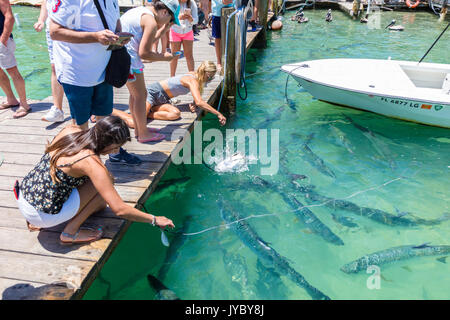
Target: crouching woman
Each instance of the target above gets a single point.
(70, 183)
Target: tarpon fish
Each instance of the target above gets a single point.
(315, 161)
(262, 249)
(380, 147)
(162, 292)
(341, 139)
(269, 284)
(394, 254)
(175, 245)
(34, 72)
(275, 117)
(344, 221)
(236, 269)
(312, 222)
(304, 214)
(164, 184)
(375, 214)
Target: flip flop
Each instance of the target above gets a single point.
(5, 106)
(156, 137)
(75, 236)
(21, 112)
(151, 130)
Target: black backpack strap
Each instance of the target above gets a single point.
(102, 16)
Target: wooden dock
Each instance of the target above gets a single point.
(33, 265)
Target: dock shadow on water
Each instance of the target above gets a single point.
(351, 186)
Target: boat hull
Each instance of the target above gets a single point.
(395, 107)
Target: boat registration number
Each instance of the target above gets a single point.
(412, 104)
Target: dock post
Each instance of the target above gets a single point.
(263, 8)
(229, 95)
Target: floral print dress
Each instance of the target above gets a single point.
(42, 193)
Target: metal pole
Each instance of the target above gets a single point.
(435, 42)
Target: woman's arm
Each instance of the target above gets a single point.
(101, 179)
(39, 25)
(194, 13)
(195, 91)
(150, 35)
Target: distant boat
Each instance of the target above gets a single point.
(400, 89)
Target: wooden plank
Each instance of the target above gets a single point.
(43, 269)
(12, 218)
(47, 243)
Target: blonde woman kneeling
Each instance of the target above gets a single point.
(159, 94)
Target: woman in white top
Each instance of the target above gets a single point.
(183, 34)
(147, 24)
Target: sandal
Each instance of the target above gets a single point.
(75, 236)
(21, 112)
(5, 106)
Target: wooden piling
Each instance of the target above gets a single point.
(229, 95)
(263, 9)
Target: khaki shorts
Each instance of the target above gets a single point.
(7, 58)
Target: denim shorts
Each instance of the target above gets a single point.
(87, 101)
(156, 95)
(216, 27)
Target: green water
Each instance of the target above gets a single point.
(402, 168)
(31, 54)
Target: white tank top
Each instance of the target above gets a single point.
(131, 22)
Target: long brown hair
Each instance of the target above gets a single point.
(107, 131)
(206, 66)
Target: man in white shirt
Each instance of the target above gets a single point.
(81, 58)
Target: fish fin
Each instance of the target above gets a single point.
(442, 259)
(155, 283)
(423, 245)
(400, 213)
(445, 216)
(406, 268)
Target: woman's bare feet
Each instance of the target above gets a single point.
(32, 228)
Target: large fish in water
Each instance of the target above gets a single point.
(162, 292)
(379, 146)
(341, 139)
(375, 214)
(314, 159)
(304, 214)
(236, 269)
(275, 117)
(265, 253)
(175, 245)
(394, 254)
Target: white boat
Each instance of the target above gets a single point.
(400, 89)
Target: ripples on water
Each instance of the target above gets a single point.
(403, 170)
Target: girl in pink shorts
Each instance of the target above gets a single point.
(183, 34)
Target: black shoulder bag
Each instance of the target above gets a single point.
(118, 67)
